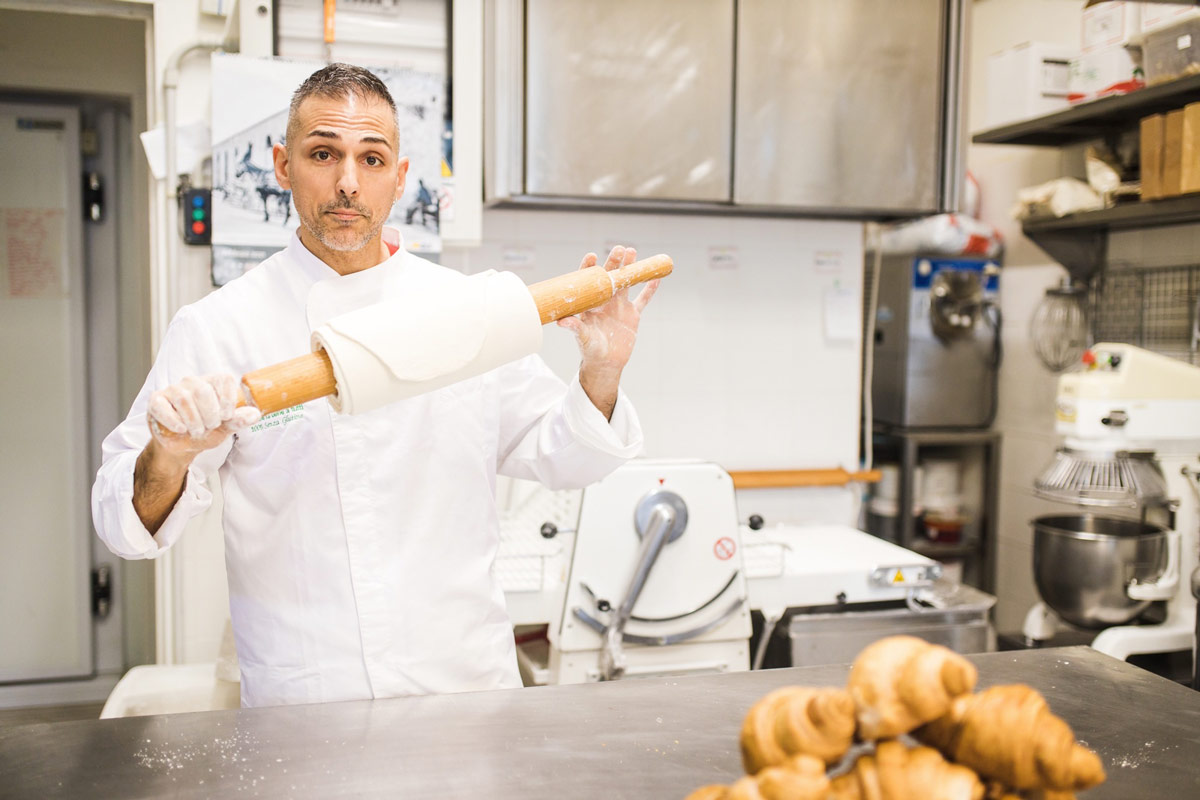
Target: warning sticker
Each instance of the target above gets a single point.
(724, 548)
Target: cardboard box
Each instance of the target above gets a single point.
(1189, 177)
(1029, 80)
(1172, 165)
(1109, 24)
(1160, 15)
(1152, 130)
(1103, 72)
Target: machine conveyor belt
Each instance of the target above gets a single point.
(643, 738)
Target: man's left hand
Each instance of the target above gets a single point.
(606, 334)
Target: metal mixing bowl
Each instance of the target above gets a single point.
(1082, 564)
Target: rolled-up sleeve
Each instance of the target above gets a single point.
(551, 432)
(115, 519)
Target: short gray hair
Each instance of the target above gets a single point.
(339, 80)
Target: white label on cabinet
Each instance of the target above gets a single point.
(518, 258)
(722, 257)
(827, 261)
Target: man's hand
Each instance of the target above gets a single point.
(185, 419)
(606, 334)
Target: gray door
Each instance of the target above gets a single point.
(840, 104)
(45, 529)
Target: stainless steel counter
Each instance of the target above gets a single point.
(648, 738)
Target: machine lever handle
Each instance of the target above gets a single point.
(665, 516)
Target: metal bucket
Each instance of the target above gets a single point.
(1083, 563)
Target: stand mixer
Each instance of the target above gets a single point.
(1131, 428)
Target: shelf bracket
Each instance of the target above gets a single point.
(1082, 252)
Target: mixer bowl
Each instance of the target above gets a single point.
(1082, 564)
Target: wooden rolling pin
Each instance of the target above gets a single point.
(310, 376)
(788, 478)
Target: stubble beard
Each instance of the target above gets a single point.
(327, 233)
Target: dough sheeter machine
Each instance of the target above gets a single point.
(649, 572)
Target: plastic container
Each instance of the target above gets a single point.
(942, 490)
(160, 689)
(1172, 52)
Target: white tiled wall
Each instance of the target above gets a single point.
(1026, 419)
(732, 365)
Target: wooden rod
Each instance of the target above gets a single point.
(582, 289)
(290, 383)
(310, 376)
(789, 478)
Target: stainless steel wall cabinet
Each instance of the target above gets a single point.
(807, 107)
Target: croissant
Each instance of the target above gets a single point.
(797, 720)
(1008, 734)
(897, 773)
(901, 682)
(798, 778)
(711, 792)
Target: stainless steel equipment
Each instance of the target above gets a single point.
(952, 616)
(1083, 564)
(637, 740)
(937, 342)
(733, 106)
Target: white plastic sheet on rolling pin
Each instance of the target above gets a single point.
(404, 347)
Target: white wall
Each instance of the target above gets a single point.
(732, 365)
(1025, 416)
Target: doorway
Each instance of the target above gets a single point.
(74, 315)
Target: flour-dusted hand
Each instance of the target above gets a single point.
(197, 414)
(185, 419)
(606, 334)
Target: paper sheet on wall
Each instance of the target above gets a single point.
(842, 318)
(33, 252)
(192, 140)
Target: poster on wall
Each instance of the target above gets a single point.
(252, 216)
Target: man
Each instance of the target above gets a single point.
(358, 548)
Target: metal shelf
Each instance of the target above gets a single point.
(978, 549)
(1171, 211)
(1080, 241)
(1097, 118)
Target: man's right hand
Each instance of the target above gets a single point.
(185, 419)
(196, 414)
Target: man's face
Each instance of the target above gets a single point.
(342, 168)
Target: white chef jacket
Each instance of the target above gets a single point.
(358, 548)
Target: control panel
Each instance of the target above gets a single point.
(197, 216)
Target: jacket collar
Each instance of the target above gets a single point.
(317, 270)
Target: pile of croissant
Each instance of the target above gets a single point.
(1002, 743)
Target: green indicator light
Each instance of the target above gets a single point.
(198, 213)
